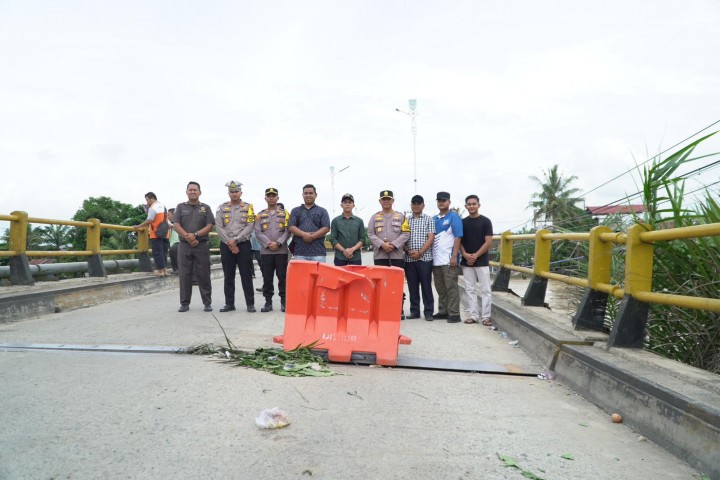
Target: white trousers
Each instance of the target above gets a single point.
(477, 282)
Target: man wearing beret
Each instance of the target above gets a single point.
(234, 221)
(271, 230)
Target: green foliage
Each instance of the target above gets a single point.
(109, 211)
(524, 251)
(53, 237)
(298, 362)
(682, 267)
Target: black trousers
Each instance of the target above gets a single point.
(194, 260)
(174, 256)
(419, 276)
(160, 247)
(341, 262)
(387, 262)
(274, 264)
(393, 262)
(231, 262)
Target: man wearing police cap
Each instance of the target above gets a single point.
(271, 230)
(388, 231)
(234, 222)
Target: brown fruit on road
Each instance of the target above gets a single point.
(616, 418)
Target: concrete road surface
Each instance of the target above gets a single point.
(75, 415)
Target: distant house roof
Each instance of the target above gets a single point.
(615, 209)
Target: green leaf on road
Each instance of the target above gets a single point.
(508, 461)
(530, 475)
(568, 456)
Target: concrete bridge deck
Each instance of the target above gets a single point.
(73, 414)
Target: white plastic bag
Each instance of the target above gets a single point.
(272, 418)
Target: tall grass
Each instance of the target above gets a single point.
(684, 267)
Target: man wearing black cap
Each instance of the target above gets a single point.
(448, 234)
(271, 230)
(347, 234)
(418, 259)
(234, 222)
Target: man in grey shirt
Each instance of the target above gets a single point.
(234, 222)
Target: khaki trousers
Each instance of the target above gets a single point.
(446, 284)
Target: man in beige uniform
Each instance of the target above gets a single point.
(234, 222)
(271, 230)
(388, 231)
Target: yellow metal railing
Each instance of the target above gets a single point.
(639, 248)
(19, 222)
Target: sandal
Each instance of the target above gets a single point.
(487, 322)
(471, 320)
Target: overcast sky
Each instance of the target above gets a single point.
(120, 98)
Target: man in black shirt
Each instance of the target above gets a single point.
(474, 247)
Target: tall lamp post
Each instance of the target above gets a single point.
(333, 174)
(413, 113)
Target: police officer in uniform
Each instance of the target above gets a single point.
(271, 230)
(388, 231)
(193, 222)
(234, 222)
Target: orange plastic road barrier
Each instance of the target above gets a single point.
(353, 309)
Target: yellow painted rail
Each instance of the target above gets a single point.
(639, 242)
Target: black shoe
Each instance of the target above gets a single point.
(429, 317)
(453, 319)
(227, 308)
(267, 307)
(258, 289)
(402, 317)
(208, 308)
(282, 307)
(251, 308)
(438, 316)
(184, 308)
(413, 316)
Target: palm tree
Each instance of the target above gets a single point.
(556, 199)
(53, 237)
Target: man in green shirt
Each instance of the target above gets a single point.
(347, 234)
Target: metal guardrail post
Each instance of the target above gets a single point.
(535, 293)
(629, 327)
(19, 266)
(502, 279)
(591, 313)
(144, 258)
(95, 262)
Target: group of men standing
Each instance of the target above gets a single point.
(425, 247)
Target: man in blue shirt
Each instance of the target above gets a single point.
(448, 234)
(309, 223)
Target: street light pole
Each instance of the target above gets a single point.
(413, 113)
(332, 184)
